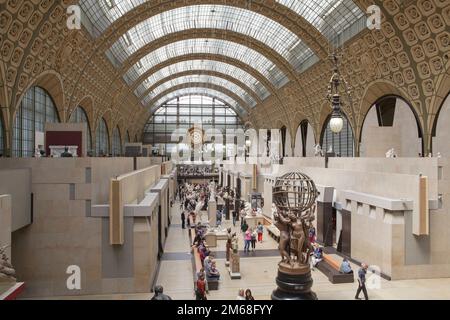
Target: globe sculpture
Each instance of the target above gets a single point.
(294, 196)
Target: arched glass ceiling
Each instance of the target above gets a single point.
(246, 22)
(325, 15)
(337, 20)
(212, 46)
(102, 13)
(199, 91)
(201, 78)
(208, 65)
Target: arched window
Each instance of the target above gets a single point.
(79, 116)
(2, 137)
(36, 109)
(116, 143)
(184, 112)
(341, 144)
(102, 139)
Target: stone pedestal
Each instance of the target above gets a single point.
(211, 240)
(252, 221)
(212, 213)
(235, 265)
(294, 284)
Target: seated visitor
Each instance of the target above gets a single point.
(203, 254)
(346, 267)
(213, 273)
(312, 235)
(248, 295)
(317, 256)
(207, 263)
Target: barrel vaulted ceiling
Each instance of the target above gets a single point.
(269, 48)
(267, 58)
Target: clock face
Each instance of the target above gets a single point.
(196, 136)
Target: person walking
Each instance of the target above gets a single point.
(234, 217)
(183, 220)
(200, 291)
(247, 239)
(254, 237)
(244, 226)
(362, 282)
(260, 230)
(242, 215)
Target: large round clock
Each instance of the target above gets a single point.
(196, 135)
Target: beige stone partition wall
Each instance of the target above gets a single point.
(129, 188)
(5, 222)
(65, 233)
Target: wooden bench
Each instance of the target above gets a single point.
(274, 232)
(330, 267)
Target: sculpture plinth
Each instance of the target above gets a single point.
(294, 196)
(294, 287)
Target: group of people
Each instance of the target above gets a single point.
(251, 236)
(207, 273)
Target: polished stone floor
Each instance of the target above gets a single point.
(258, 271)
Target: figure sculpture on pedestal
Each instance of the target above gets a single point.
(298, 238)
(282, 223)
(229, 243)
(294, 195)
(7, 272)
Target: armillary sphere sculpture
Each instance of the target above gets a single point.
(294, 196)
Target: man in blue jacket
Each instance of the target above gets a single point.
(362, 282)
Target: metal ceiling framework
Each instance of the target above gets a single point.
(335, 20)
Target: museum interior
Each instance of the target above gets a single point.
(224, 149)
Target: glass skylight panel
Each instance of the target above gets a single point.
(199, 91)
(242, 21)
(208, 65)
(209, 46)
(206, 79)
(102, 13)
(330, 17)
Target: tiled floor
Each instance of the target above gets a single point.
(258, 270)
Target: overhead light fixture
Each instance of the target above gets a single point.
(334, 96)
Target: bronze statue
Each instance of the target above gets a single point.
(298, 238)
(283, 224)
(294, 196)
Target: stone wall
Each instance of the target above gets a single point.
(5, 222)
(64, 233)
